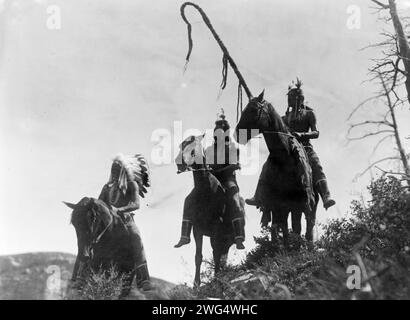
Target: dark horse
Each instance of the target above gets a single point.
(103, 241)
(287, 185)
(209, 205)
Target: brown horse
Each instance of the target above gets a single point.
(208, 212)
(287, 185)
(103, 241)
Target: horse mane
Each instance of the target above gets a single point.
(279, 124)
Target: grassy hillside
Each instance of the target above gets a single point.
(375, 241)
(46, 275)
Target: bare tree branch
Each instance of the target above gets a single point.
(371, 134)
(380, 142)
(383, 6)
(362, 104)
(373, 164)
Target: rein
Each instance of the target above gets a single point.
(98, 238)
(194, 170)
(263, 110)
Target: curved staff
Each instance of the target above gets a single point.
(226, 58)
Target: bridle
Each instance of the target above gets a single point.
(262, 109)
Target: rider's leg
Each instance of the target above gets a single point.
(319, 179)
(140, 261)
(186, 222)
(256, 199)
(235, 212)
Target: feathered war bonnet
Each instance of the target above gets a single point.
(133, 168)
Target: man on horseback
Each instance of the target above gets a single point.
(223, 158)
(128, 180)
(301, 121)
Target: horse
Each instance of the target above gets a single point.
(103, 242)
(287, 187)
(208, 213)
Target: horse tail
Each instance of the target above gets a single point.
(226, 56)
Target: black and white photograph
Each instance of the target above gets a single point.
(208, 151)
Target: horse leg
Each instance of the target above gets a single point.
(275, 225)
(224, 253)
(198, 257)
(285, 228)
(126, 288)
(310, 222)
(266, 218)
(296, 222)
(75, 269)
(217, 260)
(216, 254)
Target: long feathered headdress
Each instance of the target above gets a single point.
(133, 168)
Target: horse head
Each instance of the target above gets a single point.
(91, 218)
(191, 155)
(259, 116)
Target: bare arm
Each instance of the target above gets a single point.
(313, 133)
(134, 202)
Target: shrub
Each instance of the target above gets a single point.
(101, 285)
(376, 237)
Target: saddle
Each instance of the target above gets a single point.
(278, 168)
(304, 170)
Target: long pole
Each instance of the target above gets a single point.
(218, 40)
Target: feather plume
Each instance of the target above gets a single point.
(134, 168)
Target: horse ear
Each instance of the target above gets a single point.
(70, 205)
(260, 97)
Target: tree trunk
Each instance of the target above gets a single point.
(404, 49)
(403, 155)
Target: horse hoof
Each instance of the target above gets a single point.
(240, 246)
(146, 286)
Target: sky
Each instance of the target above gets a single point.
(112, 76)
